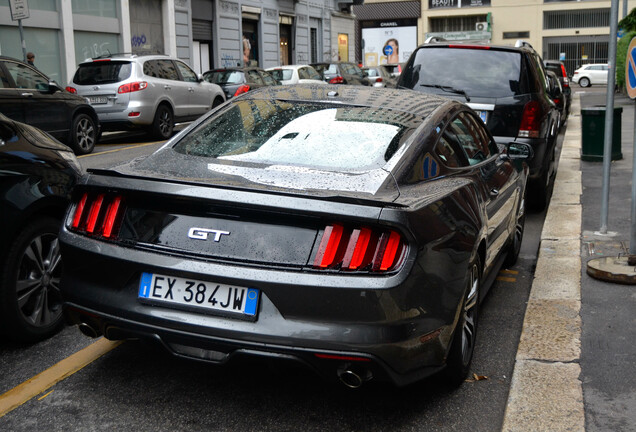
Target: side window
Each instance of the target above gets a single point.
(164, 69)
(302, 73)
(471, 137)
(187, 73)
(446, 153)
(26, 78)
(150, 68)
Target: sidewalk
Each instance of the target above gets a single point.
(575, 368)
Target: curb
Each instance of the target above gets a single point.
(546, 391)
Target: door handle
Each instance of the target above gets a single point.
(27, 94)
(166, 87)
(494, 192)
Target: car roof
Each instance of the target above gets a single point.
(128, 57)
(520, 45)
(411, 101)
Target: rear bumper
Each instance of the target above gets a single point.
(328, 363)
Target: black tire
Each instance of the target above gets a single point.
(461, 351)
(217, 101)
(83, 135)
(584, 82)
(30, 300)
(163, 124)
(514, 247)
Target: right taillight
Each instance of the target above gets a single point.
(531, 120)
(242, 89)
(359, 249)
(132, 87)
(566, 81)
(97, 215)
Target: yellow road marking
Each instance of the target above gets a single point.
(506, 271)
(42, 397)
(506, 279)
(56, 373)
(119, 149)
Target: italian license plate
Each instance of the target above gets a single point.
(96, 100)
(199, 295)
(483, 115)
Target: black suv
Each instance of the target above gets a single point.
(507, 86)
(29, 96)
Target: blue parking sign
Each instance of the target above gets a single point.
(630, 69)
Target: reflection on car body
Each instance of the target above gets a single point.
(38, 173)
(354, 229)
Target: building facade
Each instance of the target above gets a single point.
(574, 31)
(204, 33)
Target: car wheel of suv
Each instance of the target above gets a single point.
(83, 134)
(584, 82)
(463, 345)
(163, 124)
(30, 299)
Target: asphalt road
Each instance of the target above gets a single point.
(136, 386)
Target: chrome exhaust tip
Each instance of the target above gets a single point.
(87, 330)
(352, 377)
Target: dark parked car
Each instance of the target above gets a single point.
(235, 81)
(508, 88)
(352, 228)
(341, 73)
(29, 96)
(556, 93)
(38, 173)
(559, 69)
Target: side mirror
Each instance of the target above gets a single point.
(519, 151)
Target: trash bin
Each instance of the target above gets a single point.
(593, 125)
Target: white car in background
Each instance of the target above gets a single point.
(296, 74)
(590, 74)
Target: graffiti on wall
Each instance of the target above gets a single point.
(138, 40)
(96, 50)
(227, 60)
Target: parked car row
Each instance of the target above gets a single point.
(369, 263)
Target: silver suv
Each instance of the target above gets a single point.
(131, 91)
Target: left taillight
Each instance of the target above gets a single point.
(359, 249)
(97, 215)
(531, 120)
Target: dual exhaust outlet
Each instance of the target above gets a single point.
(351, 376)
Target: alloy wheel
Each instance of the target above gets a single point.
(470, 316)
(38, 281)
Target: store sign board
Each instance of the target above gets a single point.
(19, 9)
(441, 4)
(465, 35)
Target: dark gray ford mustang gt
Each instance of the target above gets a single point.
(354, 229)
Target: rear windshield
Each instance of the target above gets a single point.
(102, 72)
(316, 135)
(225, 77)
(478, 72)
(556, 68)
